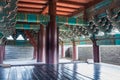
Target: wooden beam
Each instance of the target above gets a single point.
(41, 44)
(33, 1)
(66, 15)
(29, 12)
(92, 3)
(77, 11)
(32, 40)
(102, 10)
(62, 50)
(51, 35)
(45, 10)
(58, 14)
(69, 5)
(88, 5)
(65, 11)
(74, 54)
(72, 2)
(61, 6)
(34, 23)
(96, 52)
(30, 5)
(29, 9)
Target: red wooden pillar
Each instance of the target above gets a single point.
(51, 35)
(96, 52)
(4, 52)
(62, 50)
(33, 42)
(74, 51)
(1, 54)
(35, 52)
(41, 44)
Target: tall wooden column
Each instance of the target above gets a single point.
(51, 35)
(35, 52)
(41, 44)
(62, 50)
(32, 41)
(1, 54)
(96, 52)
(4, 52)
(74, 56)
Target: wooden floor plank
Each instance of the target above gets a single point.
(70, 71)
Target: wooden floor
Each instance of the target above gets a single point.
(68, 71)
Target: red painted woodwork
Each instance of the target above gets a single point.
(74, 51)
(64, 7)
(33, 42)
(2, 52)
(41, 44)
(51, 45)
(62, 49)
(96, 52)
(51, 36)
(35, 52)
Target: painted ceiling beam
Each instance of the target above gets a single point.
(27, 26)
(33, 18)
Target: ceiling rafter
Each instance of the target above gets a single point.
(60, 12)
(68, 5)
(29, 11)
(72, 2)
(64, 7)
(86, 7)
(33, 1)
(30, 5)
(64, 11)
(26, 9)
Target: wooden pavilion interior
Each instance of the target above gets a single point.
(49, 25)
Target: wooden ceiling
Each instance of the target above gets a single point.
(64, 7)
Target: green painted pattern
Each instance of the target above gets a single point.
(117, 41)
(44, 19)
(21, 17)
(27, 26)
(102, 4)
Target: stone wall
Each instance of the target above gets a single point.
(18, 52)
(109, 54)
(85, 53)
